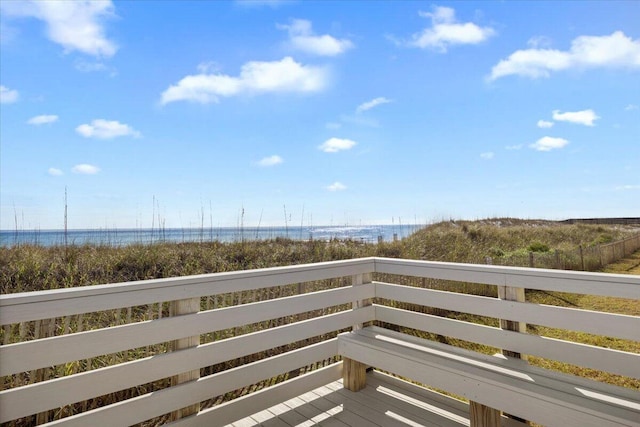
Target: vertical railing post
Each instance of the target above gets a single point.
(353, 372)
(481, 415)
(179, 308)
(359, 280)
(511, 293)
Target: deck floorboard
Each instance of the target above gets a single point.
(385, 402)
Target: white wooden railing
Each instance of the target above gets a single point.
(160, 351)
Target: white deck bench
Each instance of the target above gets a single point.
(511, 385)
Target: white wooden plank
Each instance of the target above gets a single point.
(594, 322)
(291, 416)
(287, 416)
(21, 357)
(21, 307)
(341, 411)
(488, 388)
(603, 359)
(447, 406)
(35, 398)
(501, 363)
(604, 284)
(314, 412)
(265, 398)
(265, 418)
(378, 402)
(367, 405)
(141, 408)
(410, 408)
(245, 422)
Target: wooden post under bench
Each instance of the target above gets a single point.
(354, 373)
(481, 415)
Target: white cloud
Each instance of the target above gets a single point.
(488, 155)
(446, 31)
(285, 75)
(8, 96)
(612, 51)
(85, 169)
(544, 124)
(372, 104)
(208, 67)
(301, 38)
(539, 42)
(43, 119)
(337, 186)
(584, 117)
(628, 187)
(106, 129)
(631, 107)
(55, 172)
(360, 120)
(333, 145)
(271, 161)
(549, 143)
(76, 25)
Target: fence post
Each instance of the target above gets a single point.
(532, 263)
(581, 257)
(600, 255)
(179, 308)
(353, 372)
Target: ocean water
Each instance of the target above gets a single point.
(123, 237)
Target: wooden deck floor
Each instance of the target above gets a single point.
(386, 401)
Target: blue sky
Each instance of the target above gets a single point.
(337, 112)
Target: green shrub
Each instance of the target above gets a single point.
(602, 239)
(538, 247)
(496, 252)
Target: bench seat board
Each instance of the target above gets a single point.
(542, 396)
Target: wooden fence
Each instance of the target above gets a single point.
(209, 349)
(584, 258)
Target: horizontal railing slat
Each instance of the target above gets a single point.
(580, 282)
(35, 398)
(22, 307)
(603, 359)
(150, 405)
(594, 322)
(24, 356)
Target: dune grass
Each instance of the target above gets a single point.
(26, 268)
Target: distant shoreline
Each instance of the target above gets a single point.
(128, 236)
